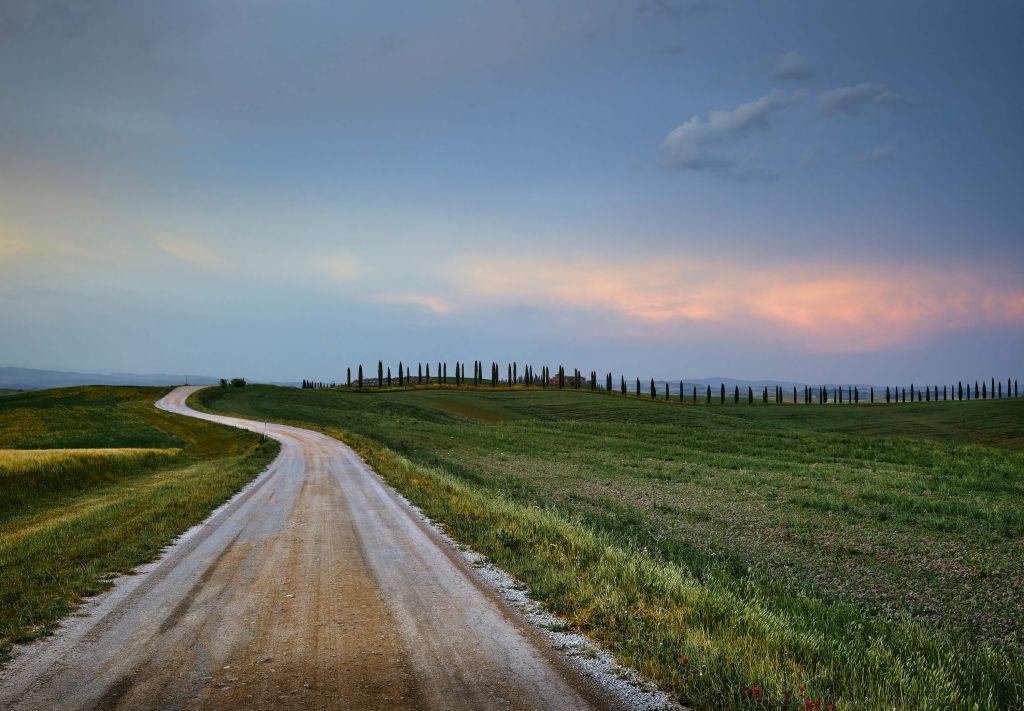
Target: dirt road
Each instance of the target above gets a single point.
(316, 588)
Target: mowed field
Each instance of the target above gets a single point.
(95, 481)
(741, 556)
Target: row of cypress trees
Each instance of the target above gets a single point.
(982, 390)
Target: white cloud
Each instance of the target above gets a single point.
(881, 152)
(431, 303)
(792, 65)
(857, 99)
(704, 144)
(189, 251)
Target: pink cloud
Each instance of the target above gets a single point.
(871, 309)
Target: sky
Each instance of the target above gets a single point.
(809, 191)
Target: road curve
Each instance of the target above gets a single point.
(316, 587)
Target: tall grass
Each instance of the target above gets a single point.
(34, 476)
(705, 640)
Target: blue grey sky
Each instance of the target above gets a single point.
(793, 190)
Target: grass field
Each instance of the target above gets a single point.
(865, 556)
(94, 481)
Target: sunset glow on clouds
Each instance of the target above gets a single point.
(871, 309)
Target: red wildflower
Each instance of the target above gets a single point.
(685, 660)
(746, 692)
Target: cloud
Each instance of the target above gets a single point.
(792, 65)
(705, 144)
(11, 248)
(262, 262)
(871, 308)
(858, 99)
(189, 251)
(431, 303)
(877, 154)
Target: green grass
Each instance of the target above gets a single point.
(871, 554)
(93, 482)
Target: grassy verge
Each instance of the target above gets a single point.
(775, 550)
(72, 518)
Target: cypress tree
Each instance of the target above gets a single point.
(622, 383)
(794, 394)
(764, 394)
(976, 391)
(389, 376)
(360, 377)
(750, 395)
(428, 374)
(721, 394)
(928, 393)
(400, 380)
(856, 396)
(419, 374)
(638, 387)
(682, 391)
(736, 395)
(903, 394)
(380, 374)
(348, 377)
(653, 394)
(1016, 393)
(992, 390)
(911, 392)
(608, 382)
(1000, 389)
(694, 394)
(515, 372)
(984, 393)
(709, 394)
(960, 389)
(666, 392)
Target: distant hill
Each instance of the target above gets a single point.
(33, 379)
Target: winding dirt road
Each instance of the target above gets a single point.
(315, 588)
